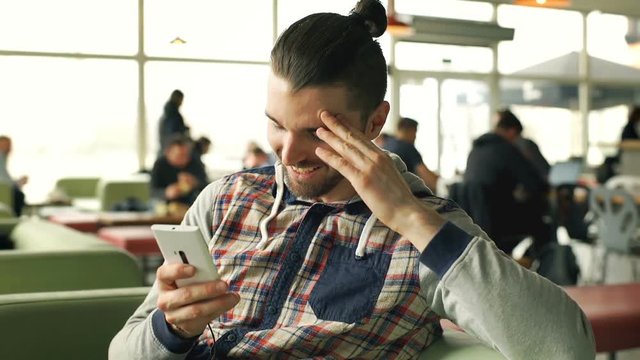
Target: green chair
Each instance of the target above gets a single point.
(78, 187)
(36, 271)
(112, 192)
(6, 195)
(64, 325)
(457, 345)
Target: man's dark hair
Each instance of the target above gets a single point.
(331, 49)
(176, 95)
(507, 120)
(406, 123)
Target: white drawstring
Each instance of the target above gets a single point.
(264, 235)
(364, 237)
(274, 210)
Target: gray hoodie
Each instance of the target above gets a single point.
(462, 277)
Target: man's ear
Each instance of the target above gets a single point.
(376, 120)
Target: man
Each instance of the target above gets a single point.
(403, 145)
(515, 190)
(177, 176)
(527, 147)
(337, 251)
(16, 185)
(255, 157)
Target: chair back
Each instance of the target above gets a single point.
(617, 218)
(629, 183)
(570, 206)
(112, 192)
(6, 194)
(78, 187)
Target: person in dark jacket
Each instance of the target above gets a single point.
(171, 122)
(515, 193)
(403, 145)
(177, 176)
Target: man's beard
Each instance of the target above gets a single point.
(308, 190)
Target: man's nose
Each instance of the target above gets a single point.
(293, 150)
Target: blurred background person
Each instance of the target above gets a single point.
(631, 130)
(403, 144)
(201, 147)
(256, 157)
(171, 122)
(514, 193)
(177, 177)
(5, 177)
(527, 147)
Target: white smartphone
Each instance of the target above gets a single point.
(185, 244)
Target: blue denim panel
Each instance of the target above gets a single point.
(348, 288)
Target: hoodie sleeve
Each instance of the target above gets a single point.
(146, 334)
(517, 312)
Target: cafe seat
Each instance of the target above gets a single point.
(617, 222)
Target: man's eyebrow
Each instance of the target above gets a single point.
(271, 118)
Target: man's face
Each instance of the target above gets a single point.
(178, 155)
(293, 120)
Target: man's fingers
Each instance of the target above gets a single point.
(337, 162)
(167, 275)
(207, 309)
(346, 133)
(191, 294)
(344, 149)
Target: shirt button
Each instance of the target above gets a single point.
(272, 309)
(295, 257)
(232, 337)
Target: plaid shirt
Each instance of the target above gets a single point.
(305, 293)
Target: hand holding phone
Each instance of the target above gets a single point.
(185, 244)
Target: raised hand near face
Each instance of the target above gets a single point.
(375, 178)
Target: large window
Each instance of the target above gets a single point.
(464, 117)
(549, 114)
(541, 35)
(224, 102)
(215, 29)
(72, 26)
(453, 9)
(436, 57)
(419, 101)
(68, 117)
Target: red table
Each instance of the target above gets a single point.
(137, 240)
(614, 313)
(85, 222)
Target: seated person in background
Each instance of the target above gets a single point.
(515, 193)
(16, 185)
(177, 176)
(200, 147)
(402, 144)
(337, 252)
(255, 157)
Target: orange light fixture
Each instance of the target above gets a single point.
(543, 3)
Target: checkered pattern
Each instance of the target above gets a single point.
(399, 326)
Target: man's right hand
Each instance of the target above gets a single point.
(189, 309)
